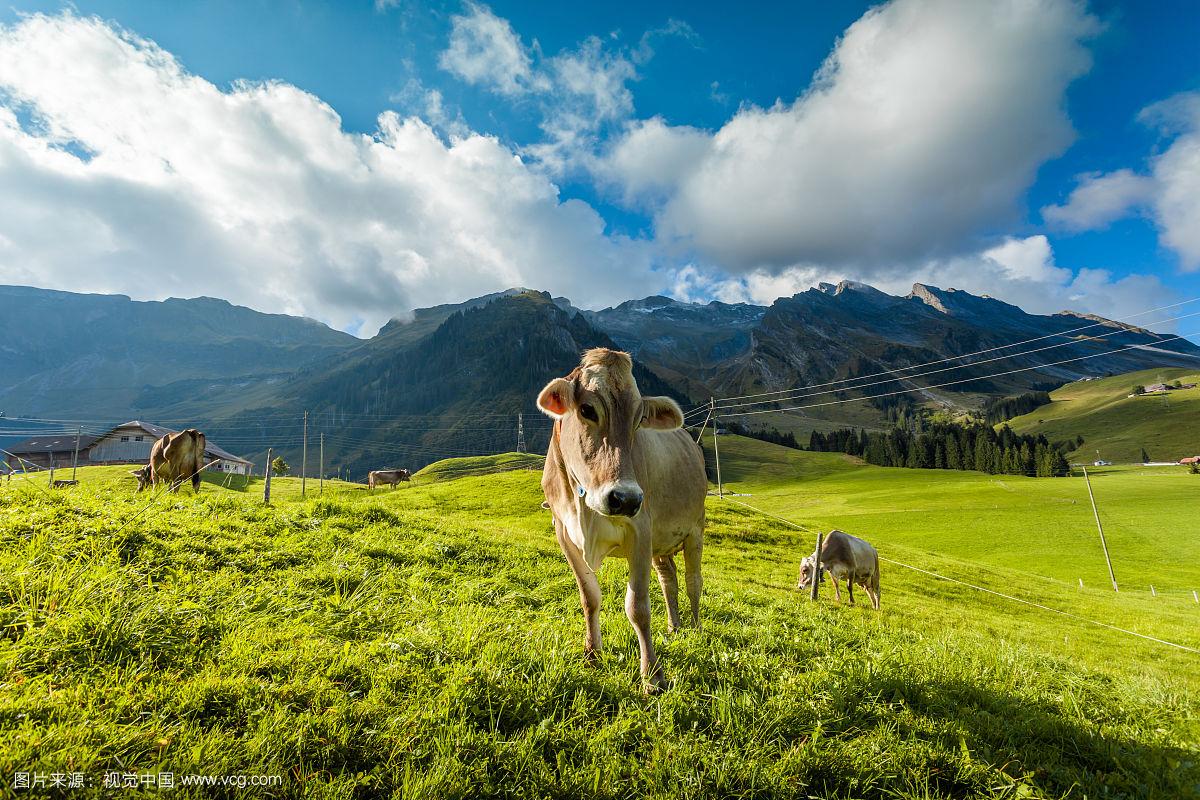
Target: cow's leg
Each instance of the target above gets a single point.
(693, 546)
(668, 579)
(850, 586)
(837, 590)
(589, 592)
(637, 608)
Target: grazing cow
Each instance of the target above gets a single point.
(622, 479)
(143, 475)
(849, 558)
(388, 476)
(175, 458)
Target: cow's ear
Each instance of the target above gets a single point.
(557, 398)
(661, 414)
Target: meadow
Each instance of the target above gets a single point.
(1117, 427)
(426, 641)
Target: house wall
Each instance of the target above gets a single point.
(231, 467)
(134, 449)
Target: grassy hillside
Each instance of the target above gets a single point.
(451, 468)
(1119, 426)
(426, 642)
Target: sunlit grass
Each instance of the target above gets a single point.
(427, 642)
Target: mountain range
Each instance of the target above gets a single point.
(452, 379)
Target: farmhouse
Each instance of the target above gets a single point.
(129, 443)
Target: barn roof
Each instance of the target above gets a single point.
(51, 443)
(158, 431)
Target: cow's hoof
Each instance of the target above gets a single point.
(591, 656)
(655, 686)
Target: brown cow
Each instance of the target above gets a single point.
(622, 479)
(848, 558)
(392, 477)
(175, 458)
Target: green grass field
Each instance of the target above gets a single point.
(427, 642)
(1119, 426)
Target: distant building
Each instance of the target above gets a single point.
(46, 451)
(1101, 463)
(129, 443)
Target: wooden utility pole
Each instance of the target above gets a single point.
(304, 457)
(712, 410)
(75, 462)
(51, 468)
(1100, 528)
(816, 576)
(267, 481)
(322, 466)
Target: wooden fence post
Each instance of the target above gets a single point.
(816, 578)
(75, 462)
(304, 457)
(1152, 592)
(321, 490)
(267, 482)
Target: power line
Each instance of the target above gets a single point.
(976, 353)
(936, 371)
(939, 385)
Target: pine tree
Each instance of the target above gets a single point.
(953, 453)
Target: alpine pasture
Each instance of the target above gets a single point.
(426, 641)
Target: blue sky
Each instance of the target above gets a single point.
(1010, 151)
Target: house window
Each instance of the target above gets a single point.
(137, 438)
(124, 438)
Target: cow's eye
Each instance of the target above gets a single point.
(589, 413)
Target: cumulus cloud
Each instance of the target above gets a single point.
(923, 128)
(1176, 174)
(122, 172)
(1169, 193)
(578, 93)
(485, 50)
(1099, 199)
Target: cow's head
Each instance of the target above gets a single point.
(599, 412)
(806, 573)
(142, 475)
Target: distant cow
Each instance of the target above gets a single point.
(849, 558)
(622, 479)
(175, 458)
(143, 476)
(391, 477)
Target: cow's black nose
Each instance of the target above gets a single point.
(624, 503)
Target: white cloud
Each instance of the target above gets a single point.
(651, 158)
(485, 50)
(1177, 175)
(578, 93)
(922, 130)
(125, 173)
(1169, 193)
(1100, 199)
